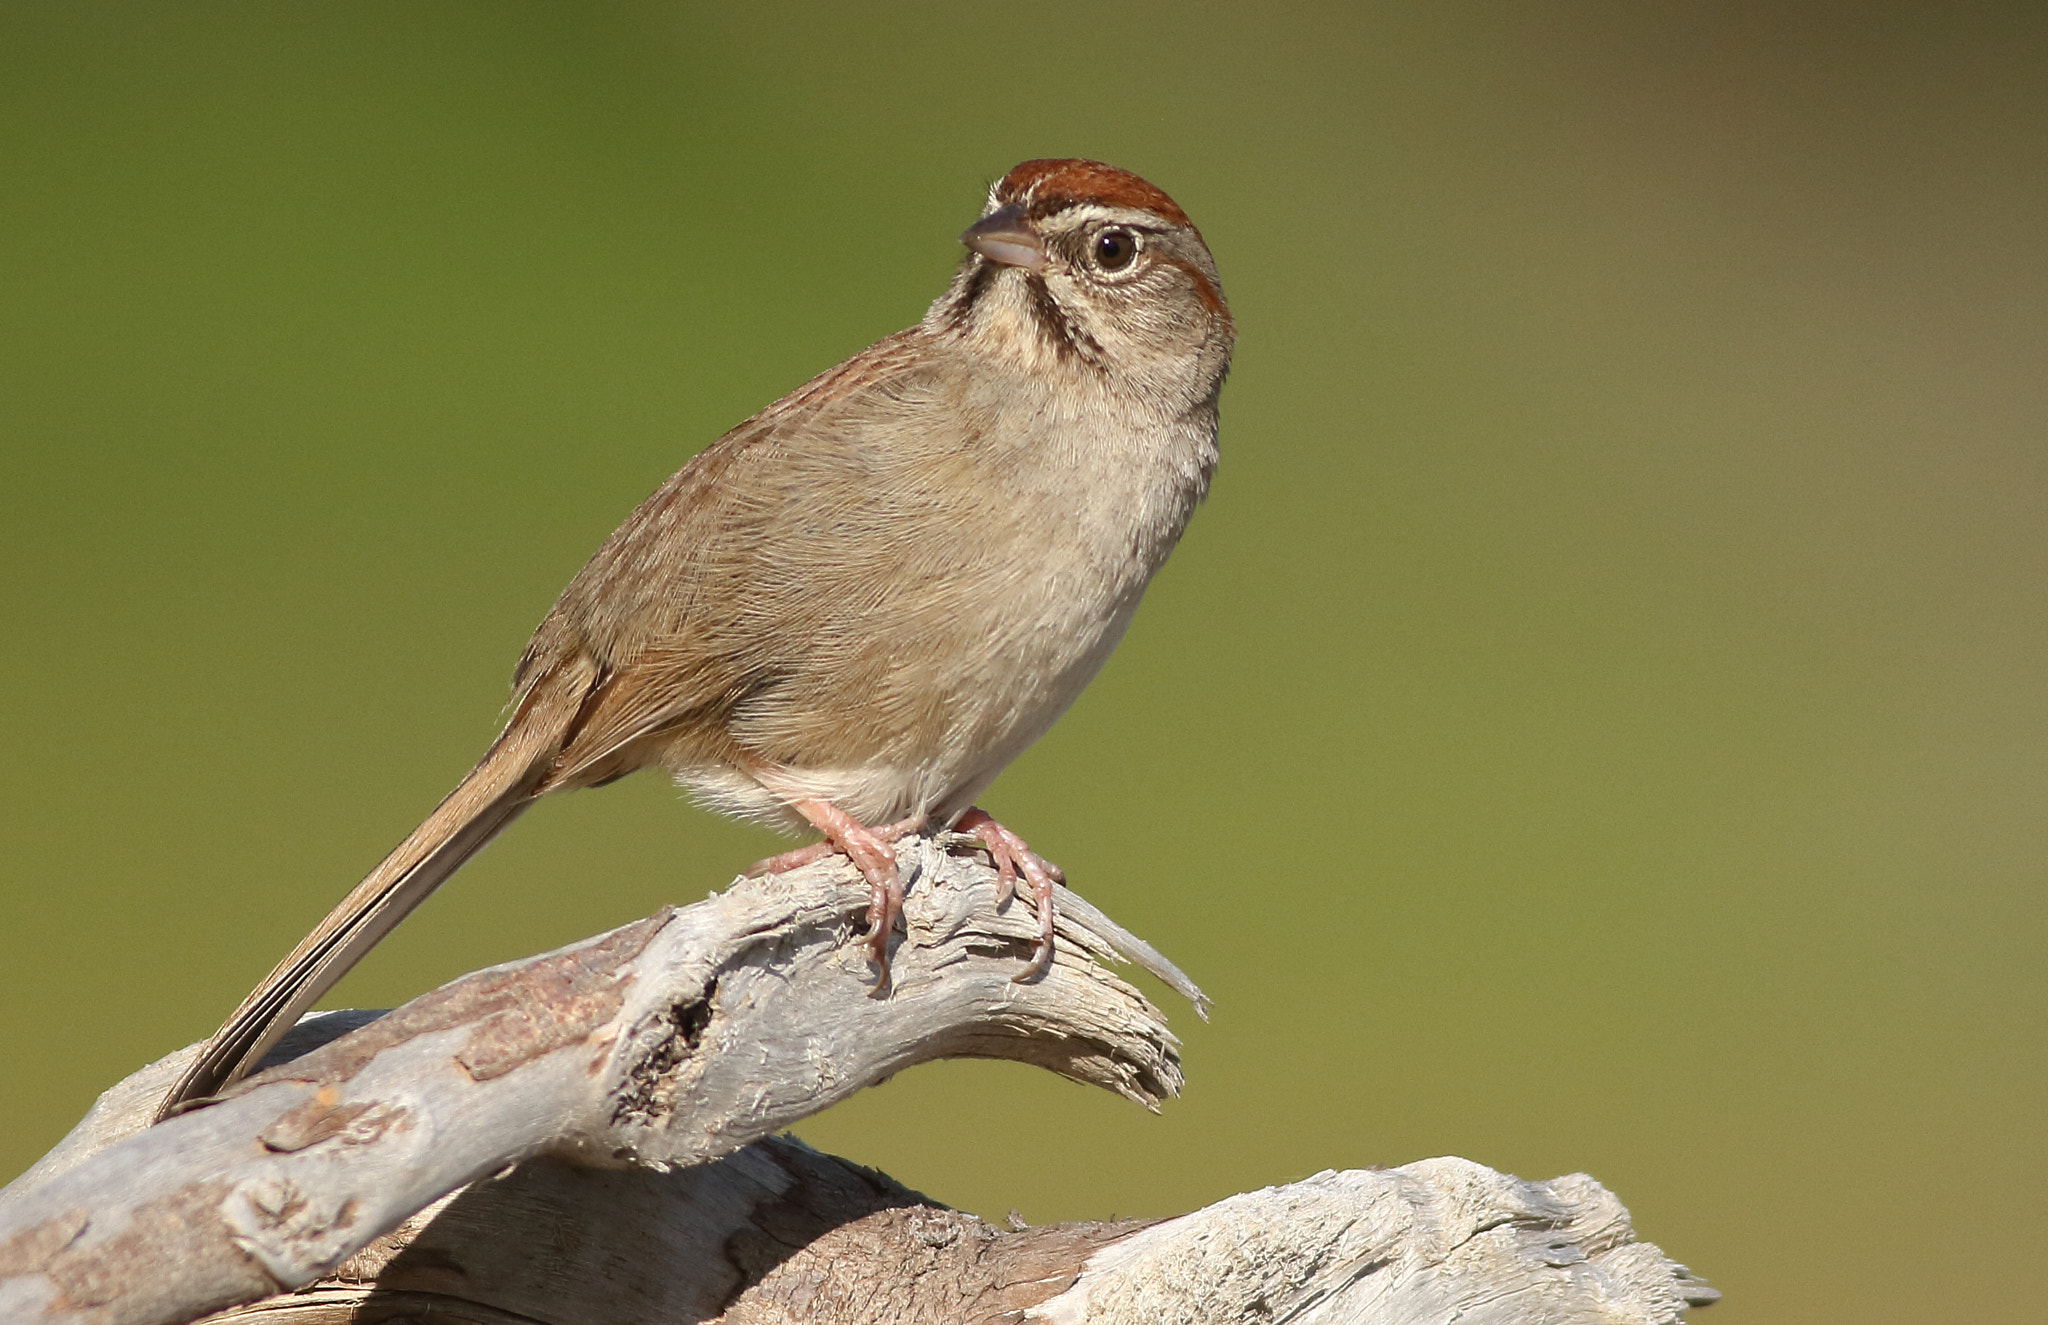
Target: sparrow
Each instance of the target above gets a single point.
(853, 610)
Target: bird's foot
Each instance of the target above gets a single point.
(869, 850)
(1012, 858)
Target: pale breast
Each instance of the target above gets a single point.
(951, 562)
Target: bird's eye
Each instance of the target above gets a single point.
(1114, 249)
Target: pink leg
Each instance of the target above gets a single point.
(868, 849)
(1013, 857)
(785, 861)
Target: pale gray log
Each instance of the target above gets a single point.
(1435, 1241)
(778, 1234)
(773, 1233)
(669, 1042)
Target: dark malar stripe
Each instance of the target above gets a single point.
(1068, 340)
(978, 281)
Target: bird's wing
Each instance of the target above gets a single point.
(673, 611)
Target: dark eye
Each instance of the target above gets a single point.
(1114, 249)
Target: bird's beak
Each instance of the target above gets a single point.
(1005, 236)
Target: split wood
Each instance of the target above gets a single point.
(588, 1136)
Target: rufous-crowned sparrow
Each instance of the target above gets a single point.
(855, 608)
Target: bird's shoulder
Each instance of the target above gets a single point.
(710, 513)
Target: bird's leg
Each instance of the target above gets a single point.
(1012, 857)
(784, 861)
(868, 849)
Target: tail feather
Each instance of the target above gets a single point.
(494, 793)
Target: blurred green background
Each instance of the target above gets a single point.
(1599, 721)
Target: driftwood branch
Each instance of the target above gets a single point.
(579, 1137)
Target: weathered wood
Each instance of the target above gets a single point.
(778, 1234)
(578, 1138)
(668, 1042)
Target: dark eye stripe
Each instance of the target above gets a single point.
(1211, 298)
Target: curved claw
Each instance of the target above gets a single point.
(1013, 857)
(871, 854)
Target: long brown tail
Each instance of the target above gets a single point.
(494, 793)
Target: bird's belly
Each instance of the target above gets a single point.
(928, 665)
(930, 739)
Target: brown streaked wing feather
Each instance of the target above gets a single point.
(670, 694)
(635, 609)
